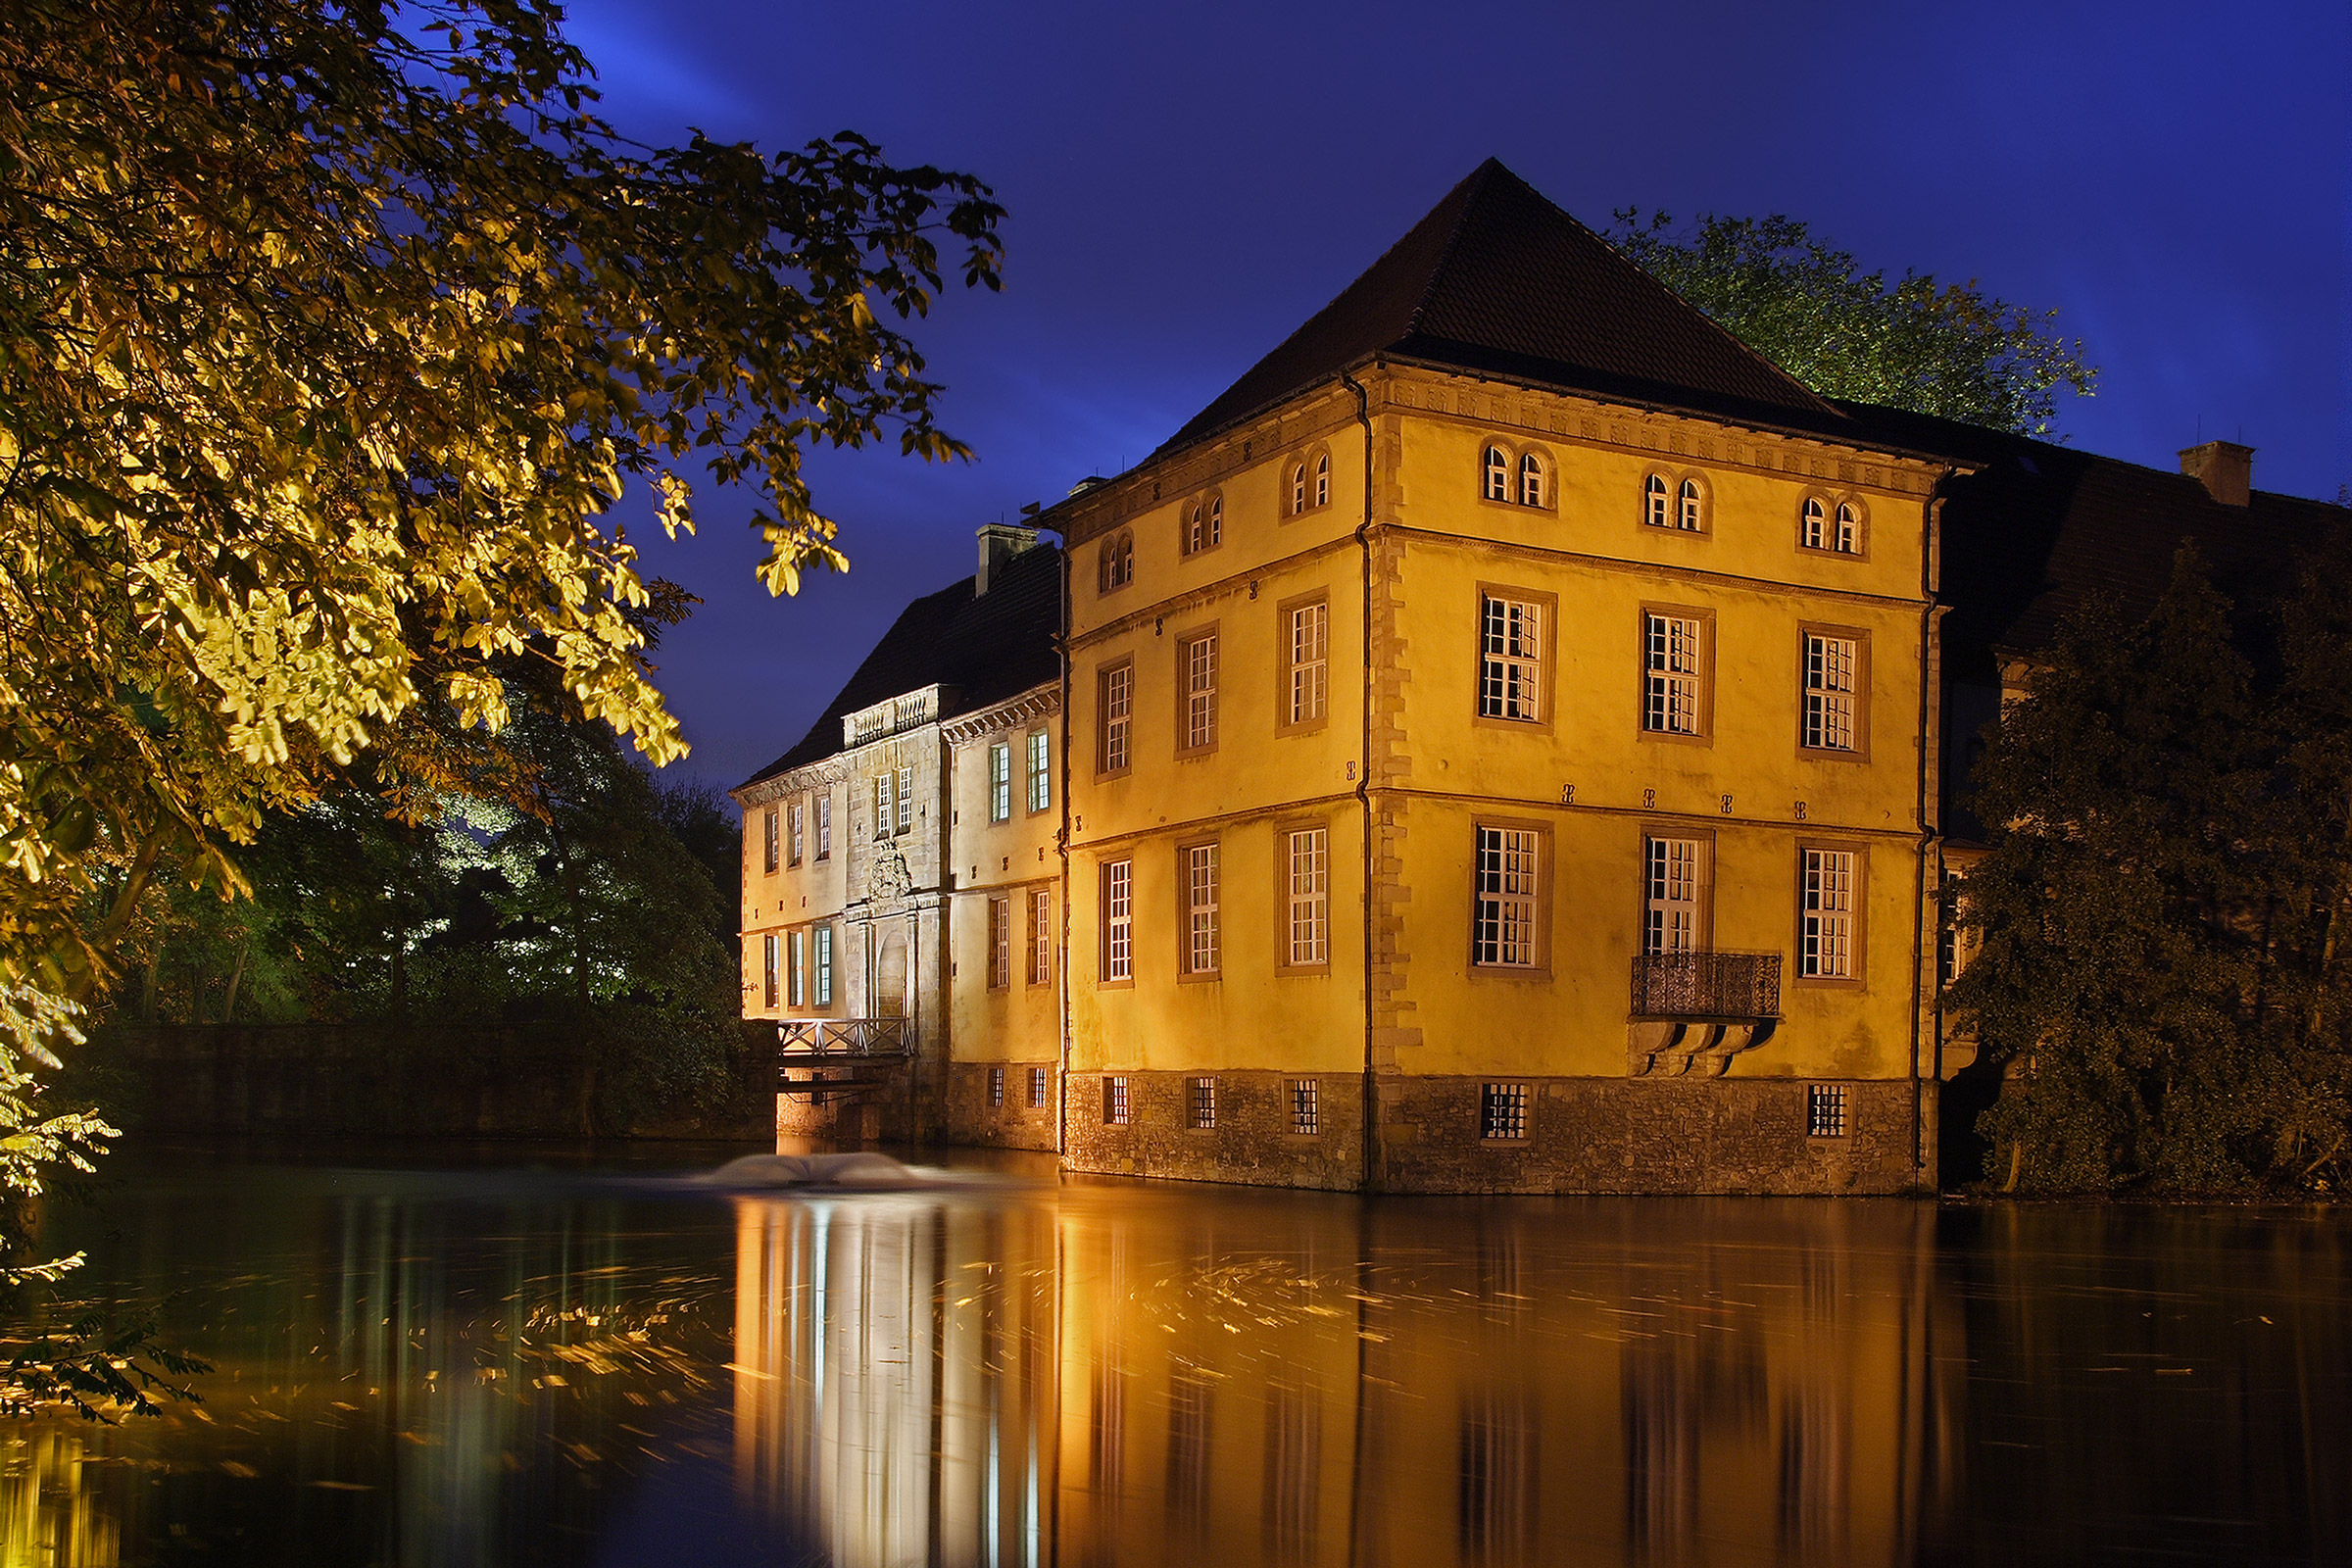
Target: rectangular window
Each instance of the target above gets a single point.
(1114, 1101)
(1510, 672)
(882, 812)
(1199, 1102)
(1825, 1110)
(1670, 912)
(1308, 903)
(1196, 675)
(824, 826)
(1310, 663)
(1041, 936)
(796, 959)
(767, 826)
(1114, 706)
(799, 814)
(1833, 694)
(1041, 777)
(1037, 1088)
(1505, 934)
(1825, 931)
(1118, 921)
(1305, 1111)
(906, 799)
(1674, 669)
(768, 957)
(1503, 1110)
(1201, 955)
(1000, 782)
(824, 967)
(996, 1087)
(1000, 944)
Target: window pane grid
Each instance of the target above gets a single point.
(1000, 944)
(1114, 1101)
(1688, 517)
(1825, 1110)
(1816, 525)
(1671, 909)
(1827, 944)
(1311, 629)
(1323, 480)
(1511, 660)
(1200, 1103)
(906, 799)
(999, 783)
(768, 834)
(1118, 923)
(996, 1087)
(1041, 936)
(1507, 897)
(1830, 692)
(1305, 1111)
(1503, 1110)
(824, 967)
(824, 826)
(1499, 474)
(1201, 692)
(795, 955)
(768, 959)
(1117, 690)
(1041, 780)
(1201, 935)
(1531, 481)
(1309, 898)
(1671, 692)
(1037, 1088)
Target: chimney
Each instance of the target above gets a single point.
(2224, 468)
(999, 544)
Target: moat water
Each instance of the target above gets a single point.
(426, 1356)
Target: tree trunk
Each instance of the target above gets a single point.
(229, 1003)
(147, 991)
(570, 875)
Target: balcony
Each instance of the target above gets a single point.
(1707, 986)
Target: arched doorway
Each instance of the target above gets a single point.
(890, 973)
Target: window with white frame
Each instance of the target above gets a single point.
(796, 815)
(882, 815)
(1118, 921)
(906, 799)
(1831, 692)
(1308, 901)
(1114, 1101)
(1670, 909)
(1041, 935)
(1298, 488)
(1041, 770)
(996, 1087)
(1306, 1110)
(1200, 1103)
(1510, 670)
(1505, 933)
(1202, 936)
(768, 959)
(768, 835)
(1499, 474)
(1503, 1110)
(1000, 782)
(1673, 660)
(1037, 1088)
(1825, 930)
(1816, 532)
(824, 967)
(824, 825)
(1198, 658)
(1115, 702)
(1323, 480)
(1531, 480)
(1310, 661)
(1203, 524)
(1657, 507)
(1835, 528)
(1690, 509)
(796, 960)
(1000, 943)
(1847, 539)
(1115, 566)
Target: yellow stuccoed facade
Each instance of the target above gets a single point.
(1406, 1038)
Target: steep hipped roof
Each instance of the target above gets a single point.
(2038, 527)
(989, 647)
(1498, 280)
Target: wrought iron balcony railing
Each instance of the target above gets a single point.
(801, 1038)
(1742, 985)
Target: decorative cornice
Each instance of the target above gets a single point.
(1039, 701)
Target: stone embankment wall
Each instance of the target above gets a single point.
(496, 1081)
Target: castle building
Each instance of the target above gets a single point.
(1499, 744)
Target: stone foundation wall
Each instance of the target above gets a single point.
(1583, 1135)
(861, 1113)
(1251, 1142)
(1014, 1125)
(1601, 1135)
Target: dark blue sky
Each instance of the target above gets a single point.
(1187, 183)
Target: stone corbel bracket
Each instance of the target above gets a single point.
(1665, 1048)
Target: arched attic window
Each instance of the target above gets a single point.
(1323, 480)
(1531, 481)
(1849, 528)
(1298, 488)
(1118, 562)
(1693, 512)
(1817, 524)
(1653, 502)
(1499, 474)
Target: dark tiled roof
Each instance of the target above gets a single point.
(989, 647)
(2038, 527)
(1498, 280)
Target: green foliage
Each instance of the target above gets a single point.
(1912, 343)
(2160, 969)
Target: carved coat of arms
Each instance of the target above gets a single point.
(889, 878)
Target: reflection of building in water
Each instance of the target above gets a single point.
(893, 1378)
(1243, 1381)
(47, 1518)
